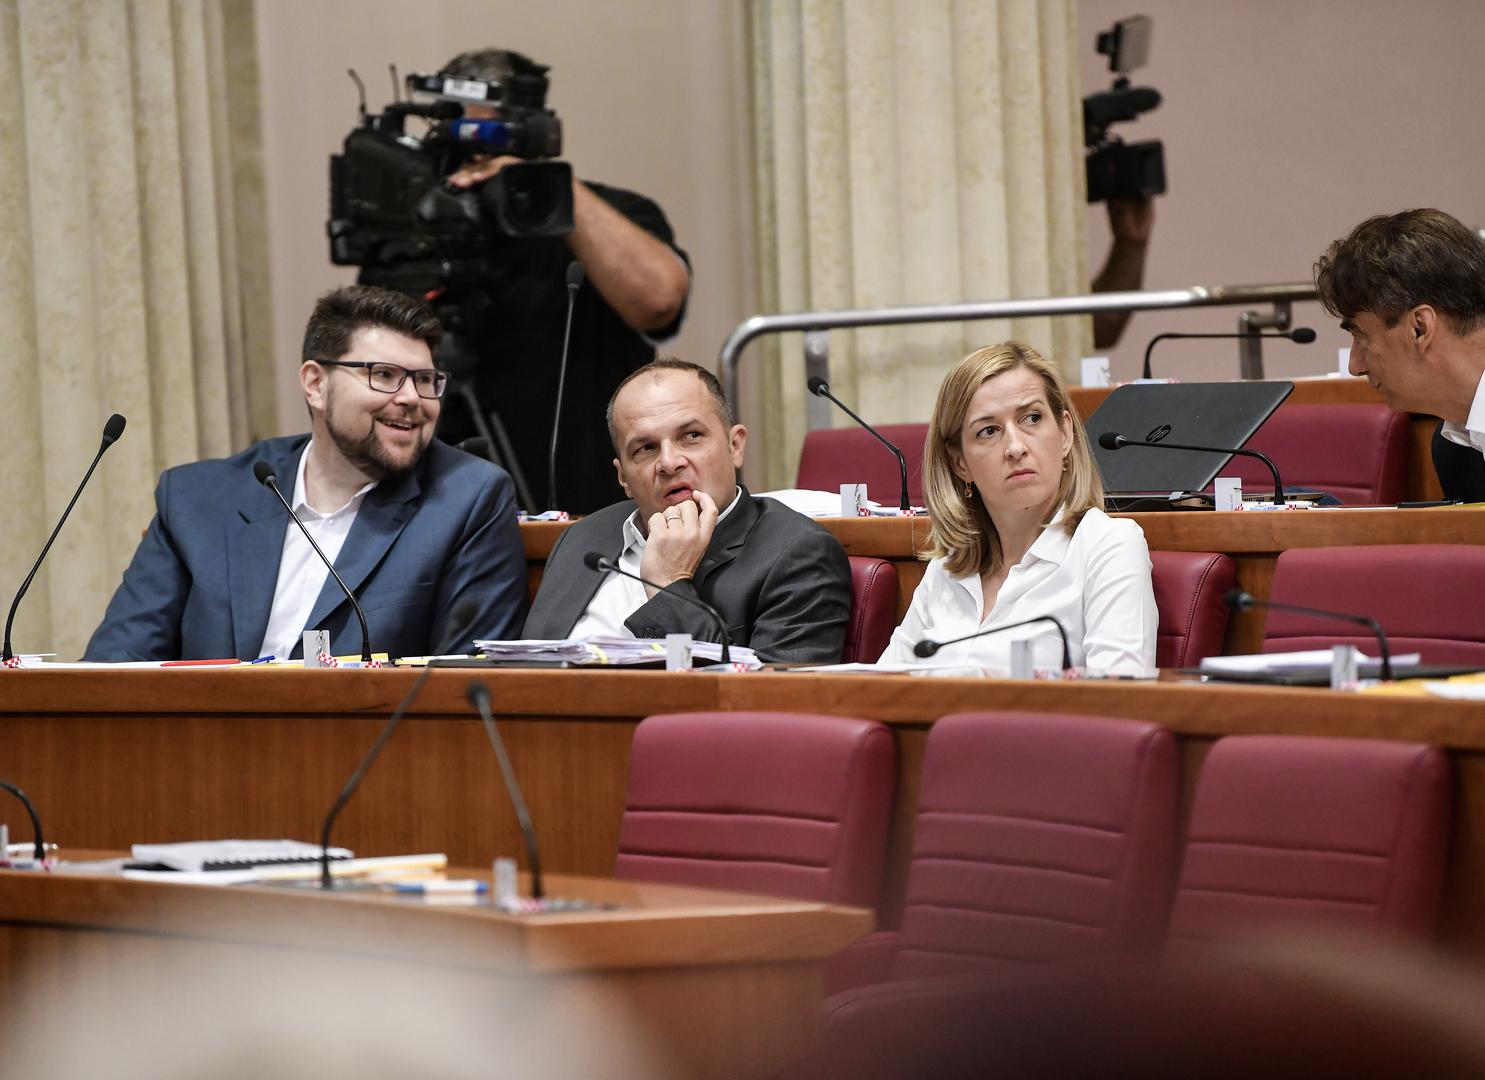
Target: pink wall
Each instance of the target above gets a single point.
(1285, 124)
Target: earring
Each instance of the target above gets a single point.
(1064, 464)
(969, 490)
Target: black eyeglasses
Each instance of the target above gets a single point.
(388, 378)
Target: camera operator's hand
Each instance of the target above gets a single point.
(478, 170)
(677, 539)
(1132, 221)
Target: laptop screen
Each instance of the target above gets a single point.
(1195, 414)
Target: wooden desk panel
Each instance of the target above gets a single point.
(117, 757)
(675, 982)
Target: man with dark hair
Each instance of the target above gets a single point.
(634, 295)
(1410, 290)
(780, 581)
(415, 527)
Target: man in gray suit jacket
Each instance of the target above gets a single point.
(781, 582)
(417, 529)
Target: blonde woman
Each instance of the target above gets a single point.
(1019, 530)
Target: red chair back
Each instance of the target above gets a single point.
(1189, 586)
(1350, 831)
(873, 610)
(831, 457)
(1358, 453)
(785, 804)
(1039, 837)
(1428, 599)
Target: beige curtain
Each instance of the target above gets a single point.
(133, 277)
(910, 151)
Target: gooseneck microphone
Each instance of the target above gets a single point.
(264, 472)
(1300, 335)
(30, 810)
(595, 561)
(463, 611)
(1112, 440)
(820, 388)
(927, 647)
(1238, 600)
(111, 432)
(575, 274)
(479, 696)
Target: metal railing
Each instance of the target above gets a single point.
(817, 324)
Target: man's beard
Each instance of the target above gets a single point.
(366, 452)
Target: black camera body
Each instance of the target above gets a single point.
(391, 213)
(1117, 169)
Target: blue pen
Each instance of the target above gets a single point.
(440, 887)
(262, 659)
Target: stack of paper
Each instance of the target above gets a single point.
(1278, 662)
(572, 650)
(615, 651)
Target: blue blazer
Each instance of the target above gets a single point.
(201, 583)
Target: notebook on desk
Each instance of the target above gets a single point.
(1195, 414)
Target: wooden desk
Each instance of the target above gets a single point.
(112, 758)
(1254, 540)
(689, 982)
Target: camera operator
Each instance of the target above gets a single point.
(634, 295)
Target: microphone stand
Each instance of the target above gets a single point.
(820, 388)
(928, 647)
(111, 432)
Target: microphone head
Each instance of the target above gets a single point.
(1111, 440)
(112, 430)
(925, 648)
(818, 386)
(1302, 335)
(262, 472)
(1237, 600)
(595, 561)
(575, 274)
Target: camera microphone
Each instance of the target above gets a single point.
(575, 274)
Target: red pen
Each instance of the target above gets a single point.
(200, 663)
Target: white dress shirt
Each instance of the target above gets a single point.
(620, 597)
(1472, 431)
(1096, 583)
(301, 573)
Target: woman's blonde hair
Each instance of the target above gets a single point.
(962, 531)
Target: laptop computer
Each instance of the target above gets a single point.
(1194, 414)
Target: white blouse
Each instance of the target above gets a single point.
(1096, 583)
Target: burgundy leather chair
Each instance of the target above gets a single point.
(1189, 586)
(1042, 840)
(1358, 453)
(1040, 837)
(831, 457)
(786, 804)
(1427, 597)
(1344, 831)
(873, 610)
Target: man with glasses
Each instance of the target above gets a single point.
(413, 526)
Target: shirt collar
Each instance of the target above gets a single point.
(1050, 546)
(634, 538)
(300, 500)
(1476, 421)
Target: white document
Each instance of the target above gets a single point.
(1280, 661)
(230, 854)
